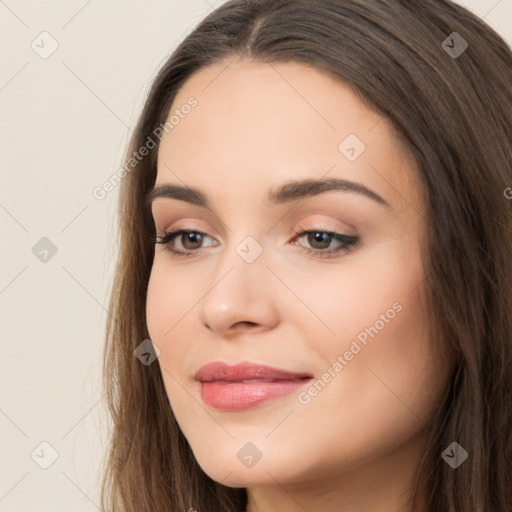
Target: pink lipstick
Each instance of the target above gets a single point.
(246, 385)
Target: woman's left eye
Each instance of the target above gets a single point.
(319, 240)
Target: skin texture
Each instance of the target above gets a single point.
(354, 446)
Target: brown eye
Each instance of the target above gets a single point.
(191, 240)
(319, 239)
(318, 242)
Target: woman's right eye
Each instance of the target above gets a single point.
(190, 240)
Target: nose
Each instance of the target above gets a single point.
(240, 297)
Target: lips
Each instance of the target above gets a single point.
(218, 371)
(245, 385)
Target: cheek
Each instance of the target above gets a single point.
(157, 306)
(164, 309)
(165, 315)
(170, 296)
(386, 319)
(395, 377)
(381, 332)
(353, 302)
(384, 395)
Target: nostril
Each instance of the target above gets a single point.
(246, 324)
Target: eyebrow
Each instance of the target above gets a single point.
(285, 193)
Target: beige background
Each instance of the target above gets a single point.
(64, 124)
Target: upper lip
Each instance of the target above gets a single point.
(220, 371)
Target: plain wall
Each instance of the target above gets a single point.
(64, 123)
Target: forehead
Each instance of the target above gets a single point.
(257, 123)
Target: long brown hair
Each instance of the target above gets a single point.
(452, 105)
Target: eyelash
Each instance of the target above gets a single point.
(348, 242)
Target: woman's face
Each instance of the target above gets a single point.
(348, 326)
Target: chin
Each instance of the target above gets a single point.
(241, 471)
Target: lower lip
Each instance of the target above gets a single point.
(239, 396)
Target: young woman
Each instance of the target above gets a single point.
(312, 306)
